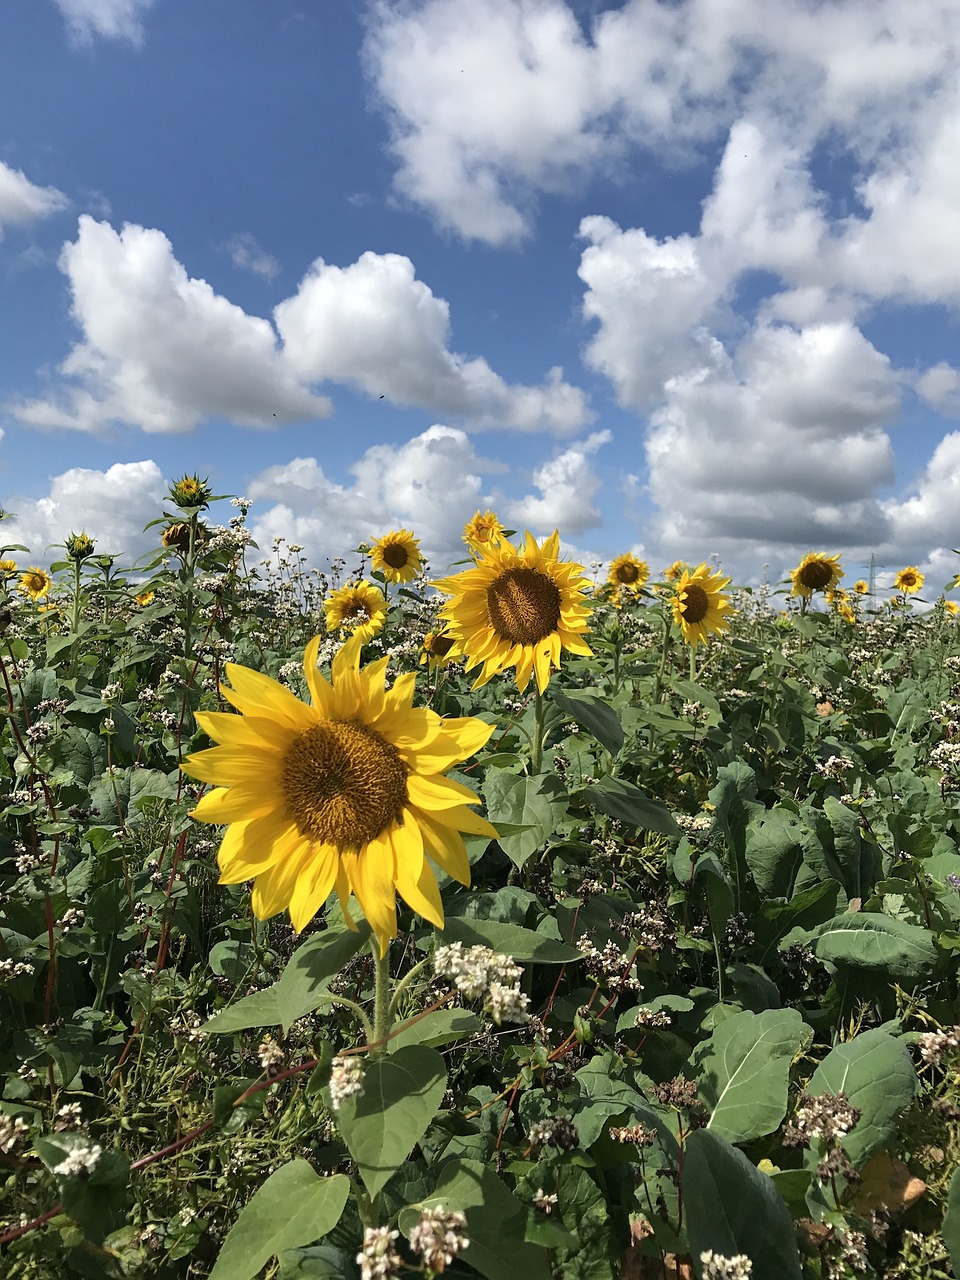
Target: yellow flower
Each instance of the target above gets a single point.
(675, 570)
(628, 571)
(359, 607)
(955, 583)
(438, 649)
(517, 608)
(837, 597)
(699, 605)
(397, 556)
(951, 607)
(35, 583)
(847, 614)
(484, 528)
(815, 572)
(909, 580)
(346, 793)
(144, 598)
(8, 568)
(861, 586)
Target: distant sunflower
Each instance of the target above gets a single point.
(359, 607)
(483, 529)
(397, 556)
(346, 793)
(815, 573)
(861, 586)
(909, 580)
(143, 598)
(439, 648)
(951, 607)
(8, 568)
(35, 583)
(847, 614)
(628, 571)
(517, 608)
(699, 604)
(675, 570)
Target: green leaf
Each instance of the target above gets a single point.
(951, 1222)
(858, 862)
(743, 1071)
(867, 941)
(401, 1095)
(604, 1098)
(731, 1207)
(95, 1201)
(294, 1206)
(874, 1070)
(261, 1009)
(773, 852)
(625, 802)
(537, 805)
(436, 1028)
(594, 715)
(317, 1262)
(301, 986)
(594, 1255)
(524, 945)
(496, 1222)
(733, 798)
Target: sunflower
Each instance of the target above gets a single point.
(861, 586)
(909, 580)
(144, 598)
(699, 604)
(483, 529)
(346, 793)
(815, 573)
(439, 648)
(35, 583)
(675, 570)
(951, 607)
(8, 568)
(628, 571)
(359, 607)
(397, 556)
(517, 608)
(847, 614)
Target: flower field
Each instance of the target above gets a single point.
(532, 921)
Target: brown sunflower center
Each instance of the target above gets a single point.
(627, 573)
(343, 783)
(908, 579)
(358, 609)
(441, 645)
(695, 604)
(395, 554)
(523, 605)
(816, 574)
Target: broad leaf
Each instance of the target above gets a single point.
(867, 941)
(594, 715)
(535, 806)
(625, 802)
(524, 945)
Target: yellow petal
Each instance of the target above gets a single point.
(228, 766)
(433, 792)
(234, 804)
(312, 890)
(273, 889)
(446, 848)
(320, 688)
(243, 731)
(415, 881)
(260, 695)
(250, 848)
(372, 874)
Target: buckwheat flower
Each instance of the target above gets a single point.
(718, 1267)
(934, 1046)
(825, 1115)
(545, 1201)
(506, 1004)
(554, 1131)
(378, 1256)
(69, 1118)
(346, 1080)
(13, 1131)
(437, 1237)
(80, 1163)
(271, 1055)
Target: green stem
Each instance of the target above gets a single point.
(75, 647)
(536, 752)
(665, 650)
(693, 663)
(404, 983)
(381, 999)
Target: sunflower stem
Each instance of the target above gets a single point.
(693, 663)
(536, 746)
(381, 999)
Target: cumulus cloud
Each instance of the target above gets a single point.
(927, 517)
(112, 506)
(568, 490)
(113, 19)
(940, 387)
(21, 202)
(246, 254)
(374, 324)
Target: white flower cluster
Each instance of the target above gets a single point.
(480, 973)
(718, 1267)
(693, 824)
(946, 756)
(13, 1131)
(80, 1163)
(271, 1055)
(346, 1081)
(934, 1046)
(437, 1237)
(378, 1257)
(15, 969)
(69, 1118)
(611, 966)
(834, 767)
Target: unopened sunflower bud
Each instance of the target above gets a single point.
(79, 547)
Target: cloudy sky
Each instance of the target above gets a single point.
(675, 276)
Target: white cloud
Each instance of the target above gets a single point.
(568, 489)
(21, 202)
(247, 255)
(112, 506)
(159, 349)
(940, 387)
(114, 19)
(375, 325)
(927, 518)
(431, 484)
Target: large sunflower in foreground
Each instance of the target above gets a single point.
(628, 571)
(397, 556)
(699, 604)
(909, 580)
(359, 607)
(35, 583)
(517, 608)
(815, 572)
(346, 793)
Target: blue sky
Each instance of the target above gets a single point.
(676, 277)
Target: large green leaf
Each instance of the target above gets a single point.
(95, 1201)
(534, 806)
(496, 1222)
(731, 1208)
(260, 1009)
(293, 1207)
(625, 802)
(594, 715)
(734, 804)
(526, 946)
(868, 941)
(951, 1222)
(302, 984)
(874, 1070)
(440, 1026)
(773, 851)
(743, 1071)
(401, 1095)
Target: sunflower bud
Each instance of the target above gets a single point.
(177, 536)
(79, 546)
(190, 491)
